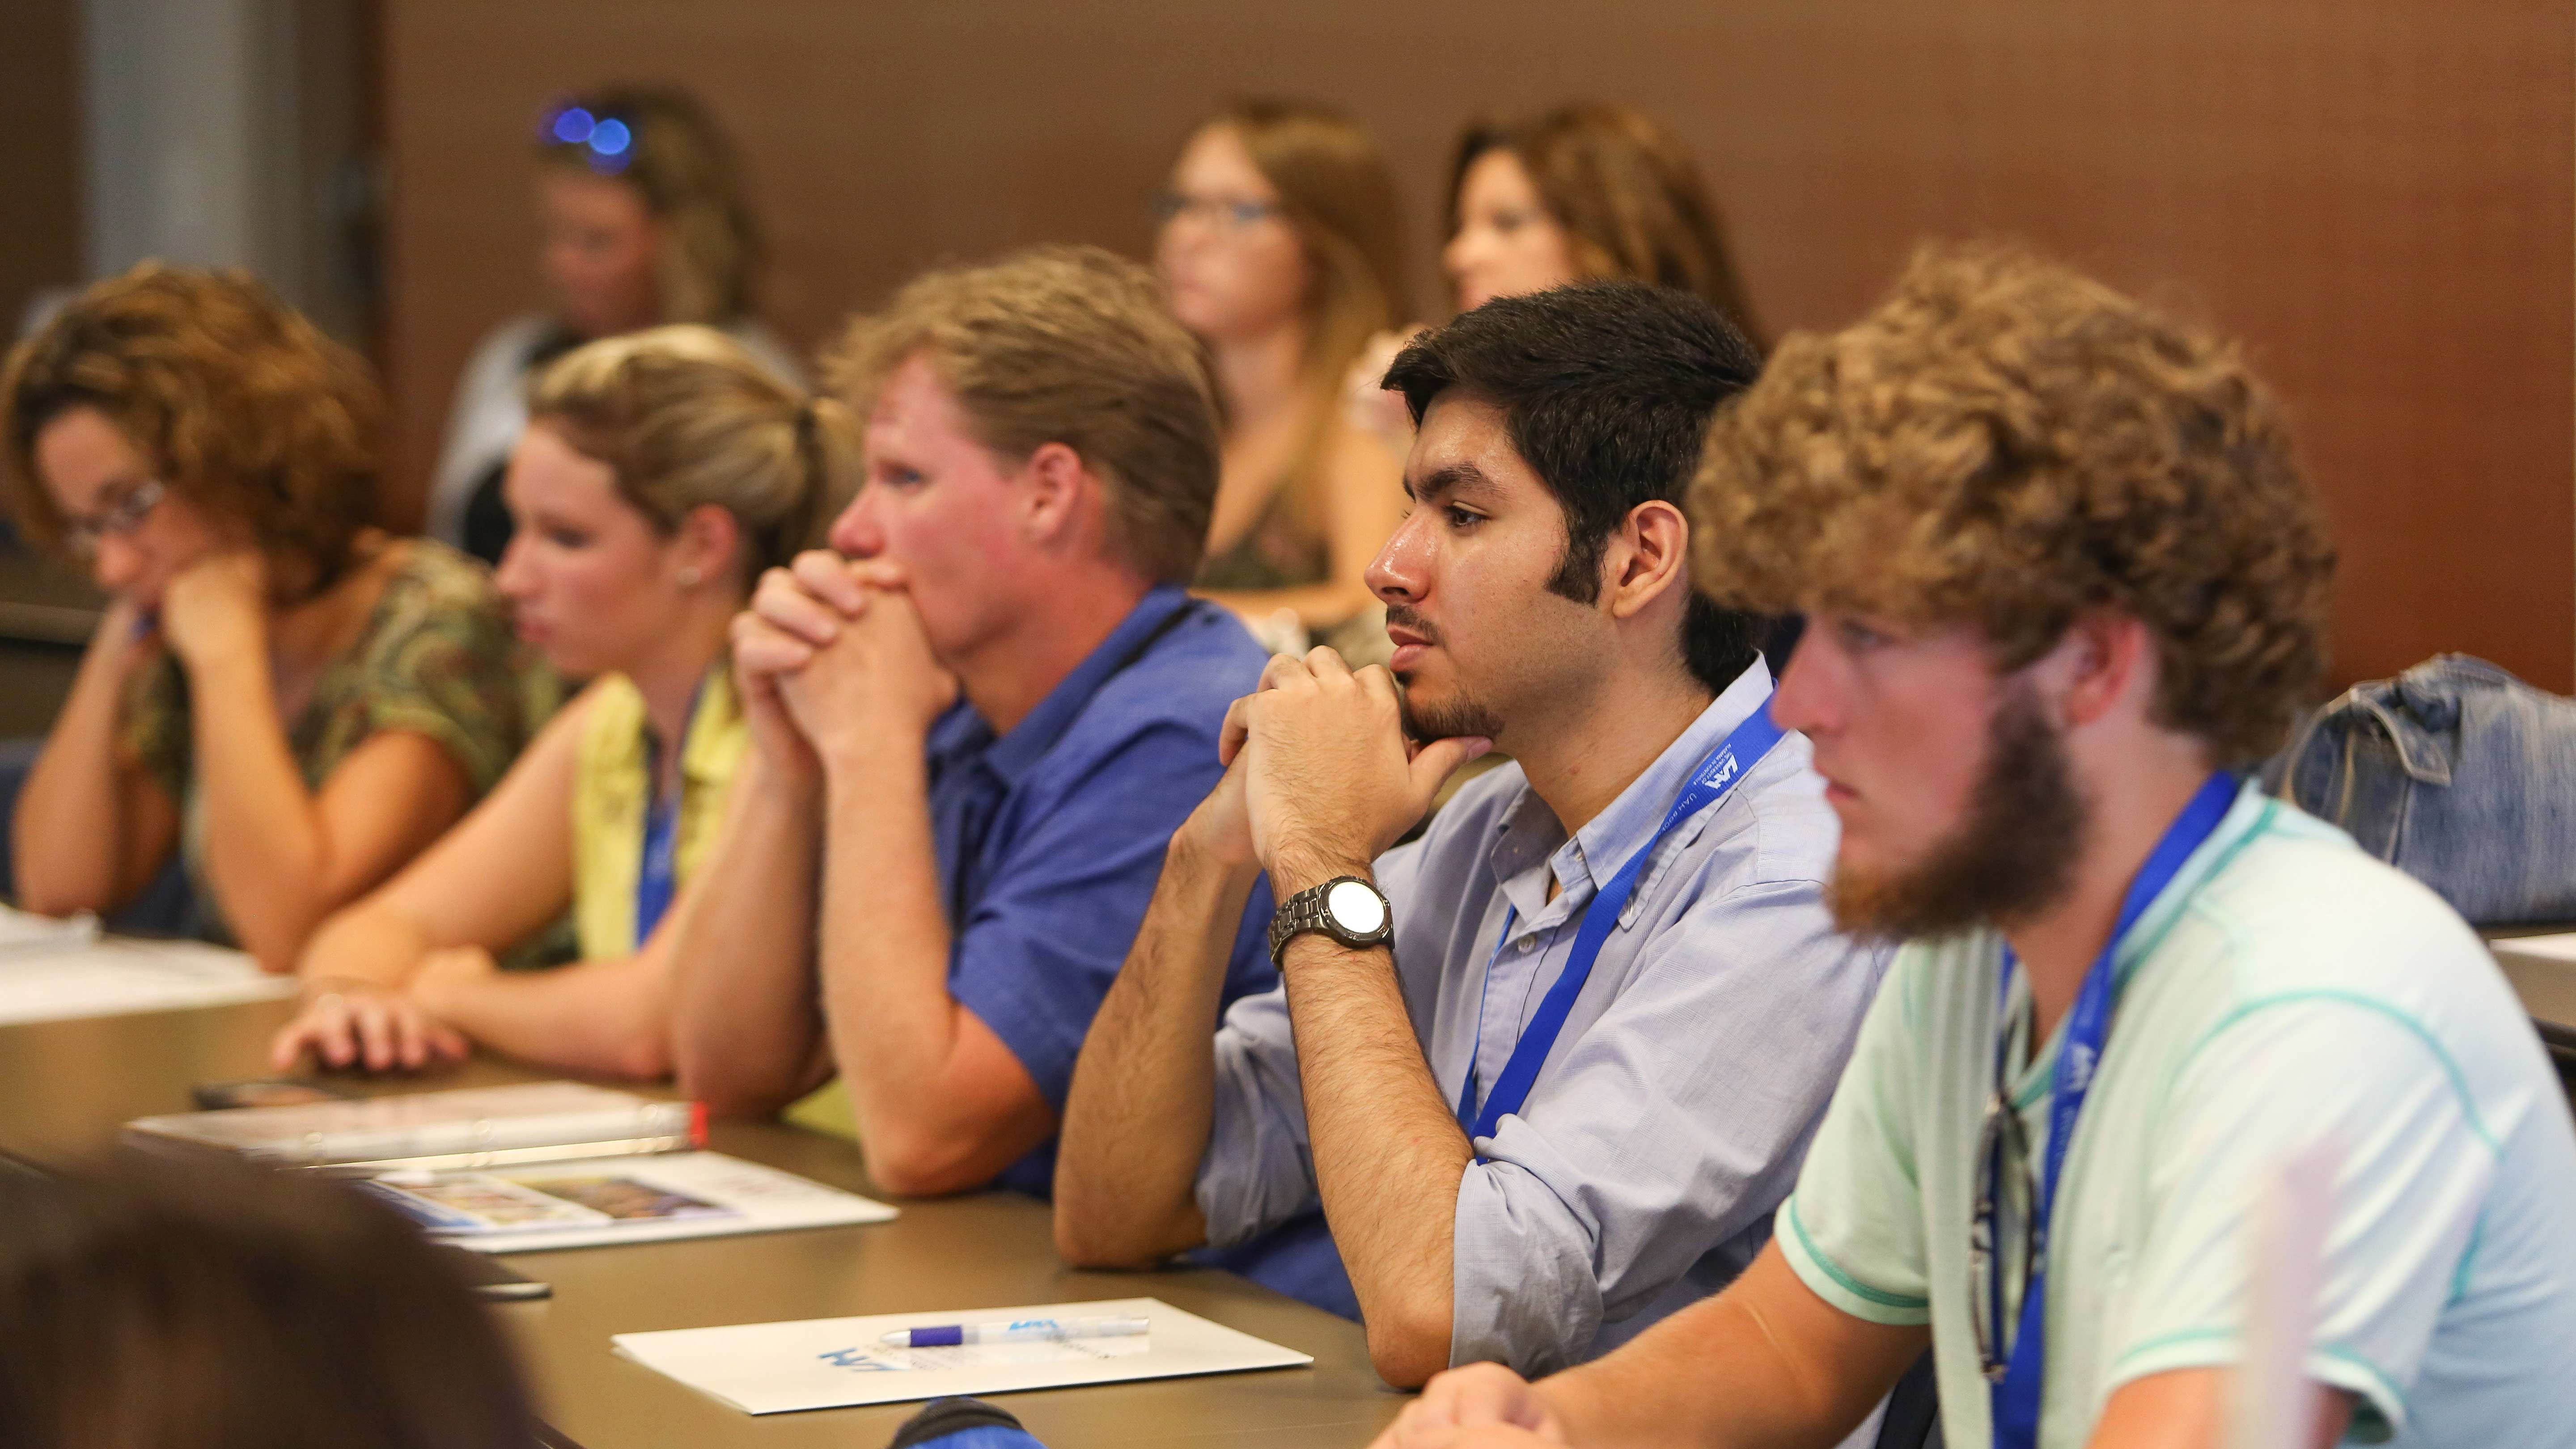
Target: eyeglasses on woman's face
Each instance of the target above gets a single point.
(1224, 213)
(120, 518)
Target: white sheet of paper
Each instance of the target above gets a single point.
(2561, 947)
(836, 1363)
(54, 974)
(755, 1199)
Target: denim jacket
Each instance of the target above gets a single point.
(2458, 774)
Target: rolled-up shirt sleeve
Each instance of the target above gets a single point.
(1672, 1125)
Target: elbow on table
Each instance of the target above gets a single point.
(58, 898)
(1091, 1237)
(1409, 1344)
(918, 1165)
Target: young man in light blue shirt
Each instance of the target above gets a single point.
(1552, 1082)
(2061, 580)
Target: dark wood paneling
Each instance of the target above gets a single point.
(2375, 194)
(40, 212)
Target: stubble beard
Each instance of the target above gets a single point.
(2011, 858)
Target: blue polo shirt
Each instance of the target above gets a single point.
(1050, 838)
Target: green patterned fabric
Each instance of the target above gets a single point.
(437, 659)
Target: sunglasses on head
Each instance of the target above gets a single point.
(607, 142)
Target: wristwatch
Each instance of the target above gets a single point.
(1346, 908)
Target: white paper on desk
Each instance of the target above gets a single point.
(2560, 947)
(836, 1363)
(650, 1199)
(55, 975)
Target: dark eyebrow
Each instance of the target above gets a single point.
(1442, 482)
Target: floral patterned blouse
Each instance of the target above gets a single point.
(437, 658)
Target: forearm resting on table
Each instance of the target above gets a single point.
(1765, 1363)
(1141, 1106)
(370, 942)
(745, 1023)
(608, 1017)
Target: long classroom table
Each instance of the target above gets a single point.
(66, 1087)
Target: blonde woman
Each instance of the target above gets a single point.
(1280, 249)
(643, 220)
(290, 701)
(660, 474)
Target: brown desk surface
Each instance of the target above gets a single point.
(65, 1087)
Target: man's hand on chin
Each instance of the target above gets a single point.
(1331, 782)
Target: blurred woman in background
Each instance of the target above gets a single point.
(1583, 191)
(643, 221)
(1280, 246)
(292, 700)
(660, 475)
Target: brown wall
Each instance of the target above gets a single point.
(2376, 194)
(40, 152)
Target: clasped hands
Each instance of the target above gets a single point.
(832, 661)
(1320, 778)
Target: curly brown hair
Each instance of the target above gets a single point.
(2008, 444)
(243, 407)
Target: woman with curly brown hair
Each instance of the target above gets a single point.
(643, 220)
(292, 700)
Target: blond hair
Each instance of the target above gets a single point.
(1071, 345)
(685, 418)
(239, 404)
(2007, 444)
(690, 178)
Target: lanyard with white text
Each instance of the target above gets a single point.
(2088, 1027)
(1728, 763)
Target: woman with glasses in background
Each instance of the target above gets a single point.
(643, 220)
(660, 475)
(291, 700)
(1280, 247)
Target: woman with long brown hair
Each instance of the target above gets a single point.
(1281, 249)
(1581, 191)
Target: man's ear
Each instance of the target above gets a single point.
(1057, 484)
(1645, 557)
(2106, 657)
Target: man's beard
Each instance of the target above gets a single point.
(2012, 857)
(1460, 715)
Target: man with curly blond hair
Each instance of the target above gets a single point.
(2062, 583)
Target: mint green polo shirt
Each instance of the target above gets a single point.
(2285, 988)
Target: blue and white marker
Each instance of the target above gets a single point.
(1023, 1330)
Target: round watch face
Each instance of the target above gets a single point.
(1356, 908)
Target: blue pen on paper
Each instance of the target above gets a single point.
(953, 1335)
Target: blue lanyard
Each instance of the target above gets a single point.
(657, 872)
(2088, 1026)
(1734, 758)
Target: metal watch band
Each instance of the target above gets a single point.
(1309, 911)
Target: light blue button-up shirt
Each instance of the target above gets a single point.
(1671, 1116)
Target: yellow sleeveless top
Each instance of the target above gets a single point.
(612, 786)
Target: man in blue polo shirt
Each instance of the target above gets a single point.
(976, 722)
